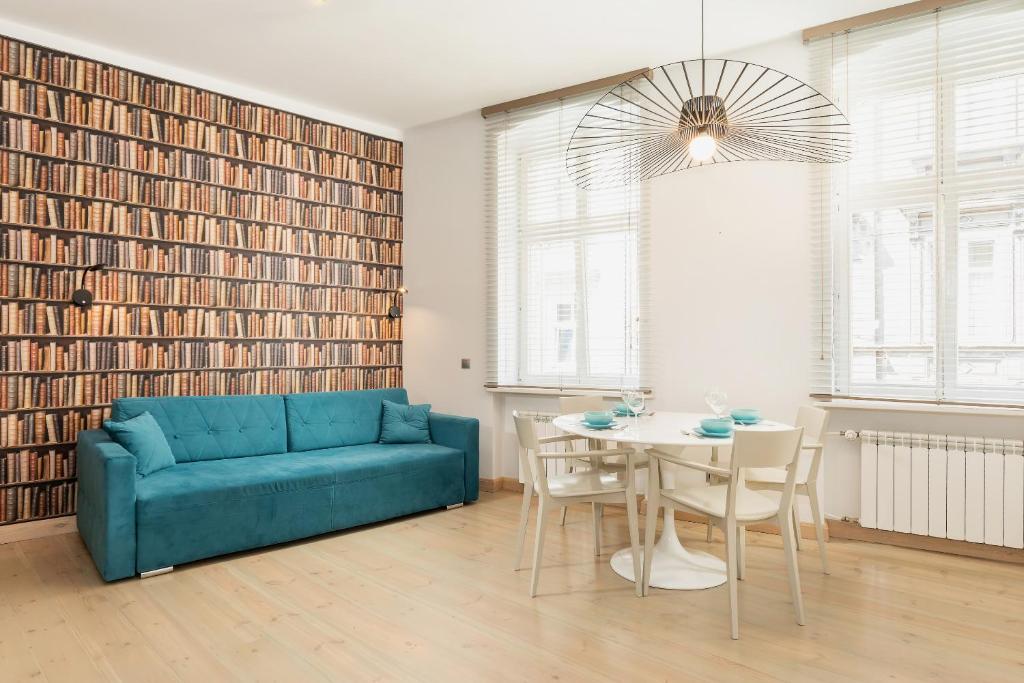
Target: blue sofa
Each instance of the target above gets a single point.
(256, 470)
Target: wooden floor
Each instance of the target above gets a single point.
(433, 597)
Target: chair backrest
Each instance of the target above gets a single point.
(525, 431)
(814, 421)
(580, 404)
(776, 448)
(529, 446)
(757, 448)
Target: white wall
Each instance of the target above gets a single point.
(732, 236)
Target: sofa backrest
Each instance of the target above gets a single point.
(214, 427)
(336, 418)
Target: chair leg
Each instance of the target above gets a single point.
(792, 568)
(538, 548)
(731, 569)
(565, 508)
(741, 553)
(819, 525)
(796, 523)
(524, 520)
(653, 510)
(632, 518)
(598, 509)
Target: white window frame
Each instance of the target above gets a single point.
(946, 190)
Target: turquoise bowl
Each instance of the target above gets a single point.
(598, 417)
(746, 414)
(621, 408)
(716, 425)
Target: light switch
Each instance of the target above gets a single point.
(465, 364)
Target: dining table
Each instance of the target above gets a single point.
(673, 566)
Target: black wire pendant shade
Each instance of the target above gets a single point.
(703, 111)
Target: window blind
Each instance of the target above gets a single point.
(919, 240)
(567, 268)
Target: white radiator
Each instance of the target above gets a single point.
(962, 488)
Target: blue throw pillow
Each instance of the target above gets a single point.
(142, 437)
(401, 423)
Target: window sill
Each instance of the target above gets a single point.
(555, 391)
(909, 407)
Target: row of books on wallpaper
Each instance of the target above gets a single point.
(31, 208)
(76, 355)
(26, 465)
(114, 286)
(140, 221)
(40, 64)
(35, 244)
(69, 137)
(20, 318)
(84, 180)
(30, 168)
(71, 391)
(41, 428)
(41, 500)
(131, 254)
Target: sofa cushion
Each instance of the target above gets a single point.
(216, 482)
(219, 482)
(213, 427)
(201, 509)
(401, 423)
(336, 418)
(142, 437)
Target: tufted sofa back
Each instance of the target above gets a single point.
(336, 418)
(217, 427)
(214, 427)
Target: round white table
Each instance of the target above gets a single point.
(673, 566)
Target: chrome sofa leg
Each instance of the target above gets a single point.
(452, 507)
(156, 572)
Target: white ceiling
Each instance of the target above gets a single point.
(402, 63)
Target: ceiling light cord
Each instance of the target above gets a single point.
(702, 30)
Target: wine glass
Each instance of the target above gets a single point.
(634, 402)
(717, 400)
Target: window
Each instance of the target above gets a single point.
(567, 276)
(919, 262)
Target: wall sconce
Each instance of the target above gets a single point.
(396, 311)
(82, 297)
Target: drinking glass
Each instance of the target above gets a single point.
(717, 400)
(634, 402)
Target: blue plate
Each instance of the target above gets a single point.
(611, 424)
(712, 435)
(746, 423)
(623, 413)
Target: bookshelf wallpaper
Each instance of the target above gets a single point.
(245, 250)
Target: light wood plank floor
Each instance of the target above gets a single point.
(433, 597)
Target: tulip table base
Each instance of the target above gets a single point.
(674, 566)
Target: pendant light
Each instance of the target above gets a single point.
(699, 112)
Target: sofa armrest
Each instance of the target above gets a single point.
(106, 503)
(462, 433)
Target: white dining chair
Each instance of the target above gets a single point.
(814, 422)
(589, 486)
(568, 405)
(732, 505)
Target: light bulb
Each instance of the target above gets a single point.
(703, 146)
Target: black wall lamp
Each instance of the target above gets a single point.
(396, 310)
(82, 297)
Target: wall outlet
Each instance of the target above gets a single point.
(465, 364)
